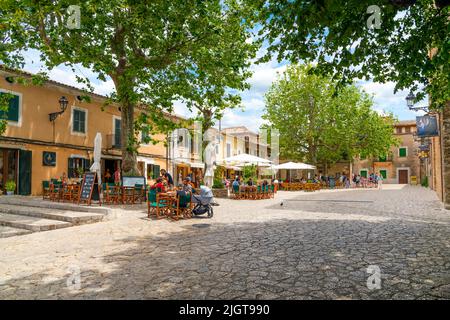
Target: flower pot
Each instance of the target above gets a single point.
(9, 193)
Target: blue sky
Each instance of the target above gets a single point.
(252, 99)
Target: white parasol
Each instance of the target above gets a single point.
(96, 167)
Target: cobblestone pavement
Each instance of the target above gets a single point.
(316, 246)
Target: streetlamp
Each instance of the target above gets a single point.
(63, 102)
(410, 101)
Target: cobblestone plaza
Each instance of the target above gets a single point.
(314, 246)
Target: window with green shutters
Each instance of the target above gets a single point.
(153, 171)
(79, 121)
(145, 136)
(383, 173)
(363, 173)
(13, 108)
(402, 152)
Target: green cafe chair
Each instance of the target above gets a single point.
(46, 189)
(154, 205)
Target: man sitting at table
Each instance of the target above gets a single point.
(186, 186)
(159, 185)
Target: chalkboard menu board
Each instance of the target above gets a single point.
(89, 187)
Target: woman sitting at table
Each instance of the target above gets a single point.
(159, 185)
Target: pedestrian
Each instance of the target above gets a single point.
(380, 181)
(117, 176)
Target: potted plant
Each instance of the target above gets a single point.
(10, 187)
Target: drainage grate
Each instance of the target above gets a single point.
(201, 225)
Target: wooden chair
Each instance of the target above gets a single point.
(66, 193)
(45, 189)
(114, 193)
(55, 191)
(139, 193)
(76, 191)
(236, 192)
(155, 205)
(182, 208)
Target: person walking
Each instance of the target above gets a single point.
(379, 181)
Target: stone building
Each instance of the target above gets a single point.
(402, 164)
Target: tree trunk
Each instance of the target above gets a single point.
(446, 154)
(129, 147)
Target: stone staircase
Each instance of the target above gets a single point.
(24, 215)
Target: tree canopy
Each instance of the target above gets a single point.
(154, 51)
(321, 125)
(411, 47)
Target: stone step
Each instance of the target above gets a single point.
(74, 217)
(31, 223)
(6, 232)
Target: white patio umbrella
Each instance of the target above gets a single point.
(295, 166)
(96, 167)
(246, 159)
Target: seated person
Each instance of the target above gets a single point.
(186, 186)
(159, 185)
(250, 182)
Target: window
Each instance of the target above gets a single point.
(407, 129)
(383, 173)
(77, 166)
(228, 150)
(363, 173)
(402, 152)
(145, 136)
(217, 149)
(399, 130)
(13, 108)
(153, 171)
(78, 121)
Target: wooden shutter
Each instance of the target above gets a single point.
(156, 170)
(13, 109)
(71, 168)
(25, 158)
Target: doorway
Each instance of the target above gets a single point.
(110, 166)
(403, 176)
(8, 167)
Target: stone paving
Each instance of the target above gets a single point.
(314, 246)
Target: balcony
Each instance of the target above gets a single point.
(113, 141)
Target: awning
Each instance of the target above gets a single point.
(146, 160)
(295, 166)
(245, 159)
(200, 165)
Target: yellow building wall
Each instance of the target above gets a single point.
(36, 102)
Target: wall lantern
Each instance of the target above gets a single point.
(63, 102)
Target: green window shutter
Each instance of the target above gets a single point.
(82, 121)
(156, 170)
(79, 121)
(13, 109)
(363, 173)
(71, 169)
(24, 172)
(383, 173)
(402, 152)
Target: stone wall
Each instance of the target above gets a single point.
(220, 193)
(445, 134)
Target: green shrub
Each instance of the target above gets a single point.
(10, 185)
(425, 182)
